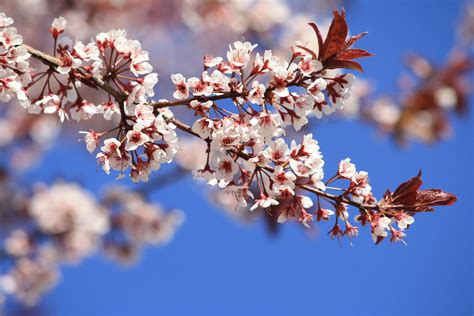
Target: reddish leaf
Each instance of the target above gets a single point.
(336, 38)
(408, 197)
(353, 53)
(408, 187)
(348, 64)
(319, 36)
(435, 197)
(354, 39)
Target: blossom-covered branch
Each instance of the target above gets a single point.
(243, 106)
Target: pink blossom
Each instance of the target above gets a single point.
(136, 137)
(211, 61)
(58, 26)
(182, 89)
(264, 202)
(239, 56)
(346, 169)
(257, 93)
(91, 139)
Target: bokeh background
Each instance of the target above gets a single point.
(219, 265)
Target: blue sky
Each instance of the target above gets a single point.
(217, 266)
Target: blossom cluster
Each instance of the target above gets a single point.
(112, 56)
(14, 66)
(123, 64)
(151, 141)
(321, 95)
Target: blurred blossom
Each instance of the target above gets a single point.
(191, 154)
(68, 211)
(466, 27)
(362, 90)
(64, 223)
(421, 111)
(24, 138)
(30, 279)
(385, 112)
(240, 16)
(136, 223)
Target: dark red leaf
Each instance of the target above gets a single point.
(434, 197)
(408, 197)
(319, 36)
(348, 64)
(353, 53)
(408, 187)
(336, 38)
(354, 39)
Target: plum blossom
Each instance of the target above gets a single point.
(257, 93)
(200, 108)
(182, 88)
(5, 20)
(279, 81)
(278, 151)
(225, 169)
(283, 180)
(323, 213)
(339, 90)
(346, 169)
(201, 87)
(308, 66)
(51, 104)
(211, 61)
(89, 52)
(247, 147)
(315, 89)
(404, 220)
(136, 137)
(379, 228)
(91, 139)
(239, 55)
(83, 111)
(10, 38)
(267, 124)
(144, 114)
(15, 71)
(58, 26)
(68, 62)
(264, 202)
(108, 109)
(140, 65)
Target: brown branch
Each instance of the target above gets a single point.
(55, 62)
(226, 95)
(45, 58)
